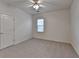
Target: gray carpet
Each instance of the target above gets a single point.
(37, 48)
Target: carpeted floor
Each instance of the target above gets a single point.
(37, 48)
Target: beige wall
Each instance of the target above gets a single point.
(75, 25)
(56, 26)
(23, 26)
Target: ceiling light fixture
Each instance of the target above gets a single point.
(36, 6)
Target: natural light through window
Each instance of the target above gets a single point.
(40, 25)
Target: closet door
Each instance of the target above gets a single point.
(6, 32)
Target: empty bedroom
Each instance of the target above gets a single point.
(39, 28)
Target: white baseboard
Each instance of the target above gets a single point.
(25, 39)
(53, 40)
(76, 49)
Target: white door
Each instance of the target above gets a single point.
(6, 32)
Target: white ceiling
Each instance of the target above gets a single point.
(50, 5)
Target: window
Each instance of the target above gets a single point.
(40, 25)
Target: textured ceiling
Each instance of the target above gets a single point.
(50, 5)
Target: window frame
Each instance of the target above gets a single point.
(38, 25)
